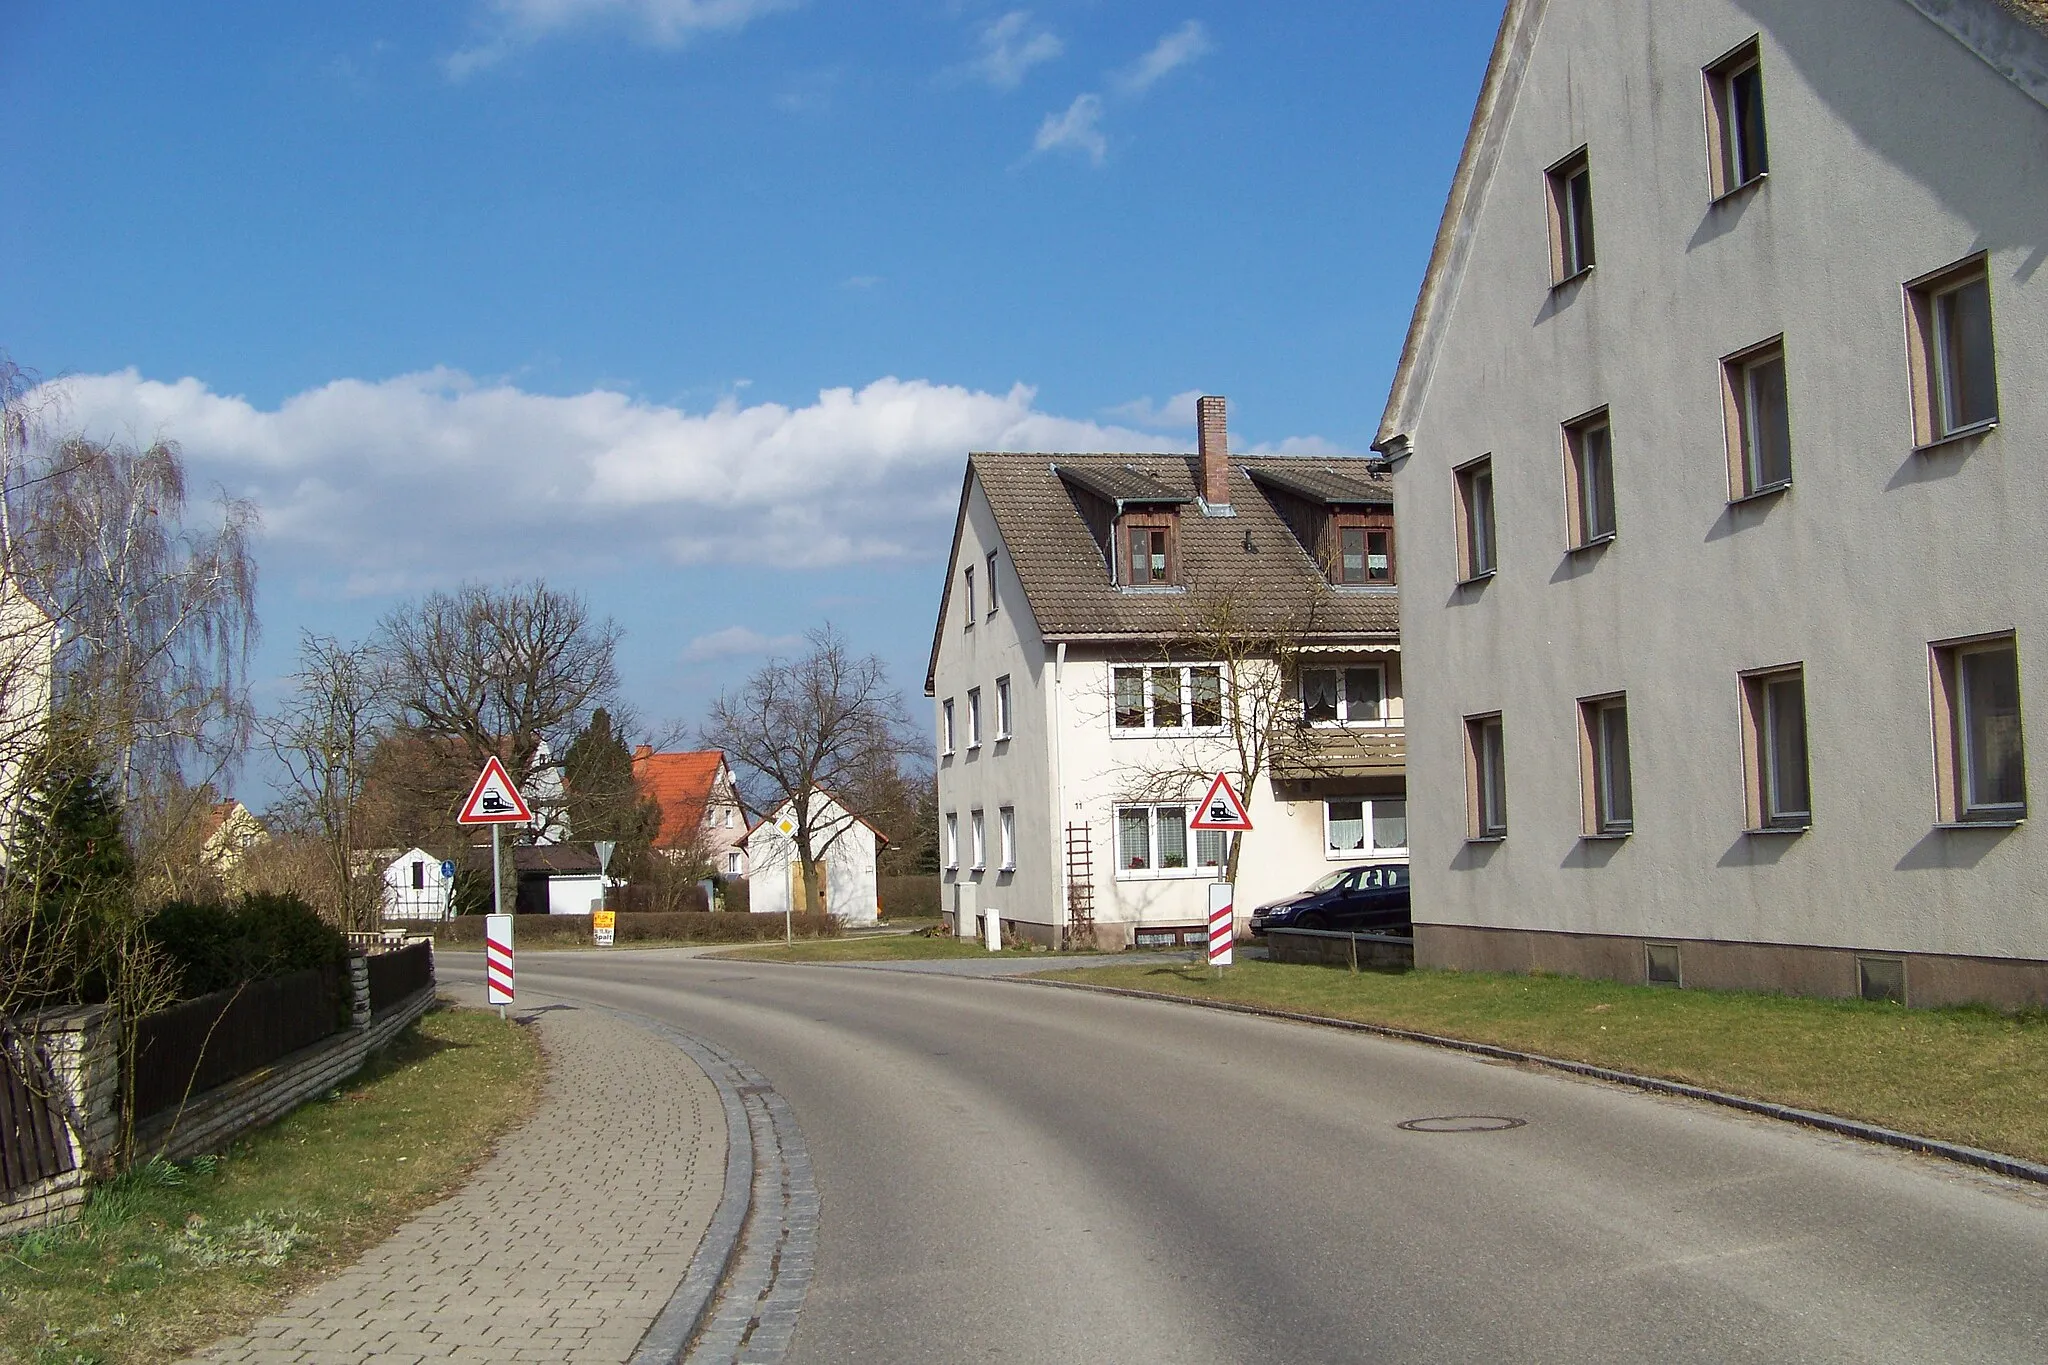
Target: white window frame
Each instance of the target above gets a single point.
(1006, 828)
(1602, 818)
(946, 730)
(1345, 720)
(973, 719)
(1954, 714)
(1003, 708)
(993, 605)
(967, 583)
(1478, 533)
(1187, 700)
(1198, 842)
(977, 835)
(952, 841)
(1486, 756)
(1373, 851)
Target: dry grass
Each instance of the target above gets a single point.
(171, 1257)
(1965, 1075)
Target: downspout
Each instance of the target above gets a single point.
(1059, 794)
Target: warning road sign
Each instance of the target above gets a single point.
(494, 800)
(1221, 809)
(498, 958)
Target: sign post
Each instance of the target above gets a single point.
(1222, 811)
(494, 801)
(787, 826)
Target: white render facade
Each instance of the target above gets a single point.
(851, 893)
(1816, 399)
(1047, 785)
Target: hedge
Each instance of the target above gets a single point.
(685, 926)
(914, 897)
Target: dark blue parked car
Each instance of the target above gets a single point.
(1370, 900)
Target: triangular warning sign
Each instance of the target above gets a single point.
(494, 800)
(1221, 809)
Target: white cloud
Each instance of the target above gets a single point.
(1188, 43)
(1177, 411)
(1299, 445)
(388, 486)
(1010, 47)
(737, 642)
(515, 24)
(1078, 128)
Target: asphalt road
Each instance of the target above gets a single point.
(1011, 1173)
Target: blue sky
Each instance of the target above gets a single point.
(697, 305)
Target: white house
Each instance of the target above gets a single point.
(28, 650)
(1722, 409)
(1098, 643)
(849, 847)
(699, 804)
(414, 887)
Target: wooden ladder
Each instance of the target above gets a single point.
(1080, 929)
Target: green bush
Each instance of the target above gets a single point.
(909, 897)
(217, 945)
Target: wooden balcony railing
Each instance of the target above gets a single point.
(1343, 751)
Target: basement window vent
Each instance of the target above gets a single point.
(1663, 964)
(1881, 978)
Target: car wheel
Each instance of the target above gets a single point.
(1312, 922)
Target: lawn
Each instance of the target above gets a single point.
(873, 948)
(169, 1258)
(1973, 1076)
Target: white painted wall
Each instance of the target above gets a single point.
(431, 901)
(575, 893)
(850, 890)
(1894, 152)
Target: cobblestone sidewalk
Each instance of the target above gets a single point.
(563, 1248)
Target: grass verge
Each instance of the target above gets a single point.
(883, 948)
(170, 1257)
(1973, 1076)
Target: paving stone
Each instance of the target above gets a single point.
(564, 1246)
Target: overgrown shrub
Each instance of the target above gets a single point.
(216, 945)
(908, 897)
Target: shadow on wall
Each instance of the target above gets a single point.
(1952, 846)
(1868, 73)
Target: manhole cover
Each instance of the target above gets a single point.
(1463, 1123)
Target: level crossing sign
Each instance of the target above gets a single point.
(494, 800)
(1222, 809)
(498, 975)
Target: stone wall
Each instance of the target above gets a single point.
(1323, 947)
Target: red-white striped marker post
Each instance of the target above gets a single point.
(498, 959)
(1222, 923)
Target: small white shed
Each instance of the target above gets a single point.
(414, 887)
(849, 845)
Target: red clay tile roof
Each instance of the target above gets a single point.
(681, 784)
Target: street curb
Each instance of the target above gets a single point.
(2015, 1167)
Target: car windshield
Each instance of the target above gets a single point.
(1328, 882)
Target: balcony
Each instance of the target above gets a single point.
(1341, 751)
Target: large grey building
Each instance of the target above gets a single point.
(1721, 447)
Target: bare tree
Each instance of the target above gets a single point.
(323, 737)
(827, 723)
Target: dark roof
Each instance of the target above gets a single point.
(1326, 482)
(1123, 485)
(1254, 557)
(552, 859)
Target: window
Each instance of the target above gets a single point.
(974, 718)
(1474, 490)
(967, 586)
(991, 582)
(1759, 419)
(1152, 841)
(977, 833)
(1147, 549)
(1735, 120)
(1003, 730)
(1486, 797)
(1589, 479)
(1955, 379)
(1609, 791)
(946, 726)
(1342, 696)
(952, 841)
(732, 864)
(419, 875)
(1982, 759)
(1661, 965)
(1356, 829)
(1774, 739)
(1172, 697)
(1571, 217)
(1006, 822)
(1364, 545)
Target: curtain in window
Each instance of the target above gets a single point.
(1319, 694)
(1206, 685)
(1212, 847)
(1347, 826)
(1173, 836)
(1361, 694)
(1389, 824)
(1130, 698)
(1134, 838)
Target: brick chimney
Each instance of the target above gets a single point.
(1213, 428)
(643, 751)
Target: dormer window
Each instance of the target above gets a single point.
(1362, 548)
(1148, 540)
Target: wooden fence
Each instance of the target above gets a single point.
(193, 1047)
(34, 1142)
(395, 975)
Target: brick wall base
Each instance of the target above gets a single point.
(1792, 969)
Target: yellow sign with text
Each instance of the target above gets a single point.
(602, 923)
